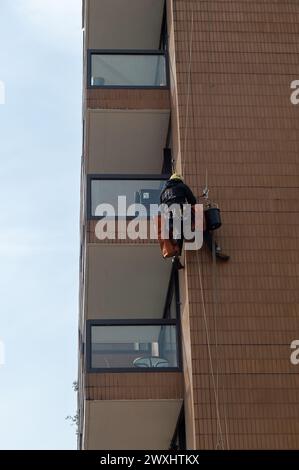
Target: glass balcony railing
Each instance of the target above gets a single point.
(136, 190)
(127, 69)
(133, 345)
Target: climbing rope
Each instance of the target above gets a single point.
(211, 366)
(219, 443)
(188, 90)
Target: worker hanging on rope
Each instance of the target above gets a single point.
(176, 193)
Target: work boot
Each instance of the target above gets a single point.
(220, 255)
(176, 261)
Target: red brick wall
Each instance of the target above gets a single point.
(244, 130)
(127, 99)
(134, 386)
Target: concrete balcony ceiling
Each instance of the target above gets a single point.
(123, 24)
(121, 141)
(130, 424)
(116, 269)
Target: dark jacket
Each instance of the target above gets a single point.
(177, 192)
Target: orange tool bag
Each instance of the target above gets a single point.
(169, 247)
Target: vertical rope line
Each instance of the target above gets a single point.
(215, 315)
(188, 90)
(209, 350)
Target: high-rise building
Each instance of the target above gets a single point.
(200, 358)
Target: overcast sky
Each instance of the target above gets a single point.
(40, 64)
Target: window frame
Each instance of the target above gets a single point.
(133, 322)
(117, 177)
(91, 52)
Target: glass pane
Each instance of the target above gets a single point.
(134, 346)
(128, 70)
(143, 192)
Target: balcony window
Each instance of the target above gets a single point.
(137, 190)
(133, 345)
(127, 69)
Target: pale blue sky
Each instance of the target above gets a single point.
(41, 65)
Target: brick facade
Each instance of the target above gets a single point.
(134, 386)
(242, 129)
(127, 99)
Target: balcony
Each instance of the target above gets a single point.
(125, 49)
(132, 346)
(125, 44)
(127, 69)
(124, 361)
